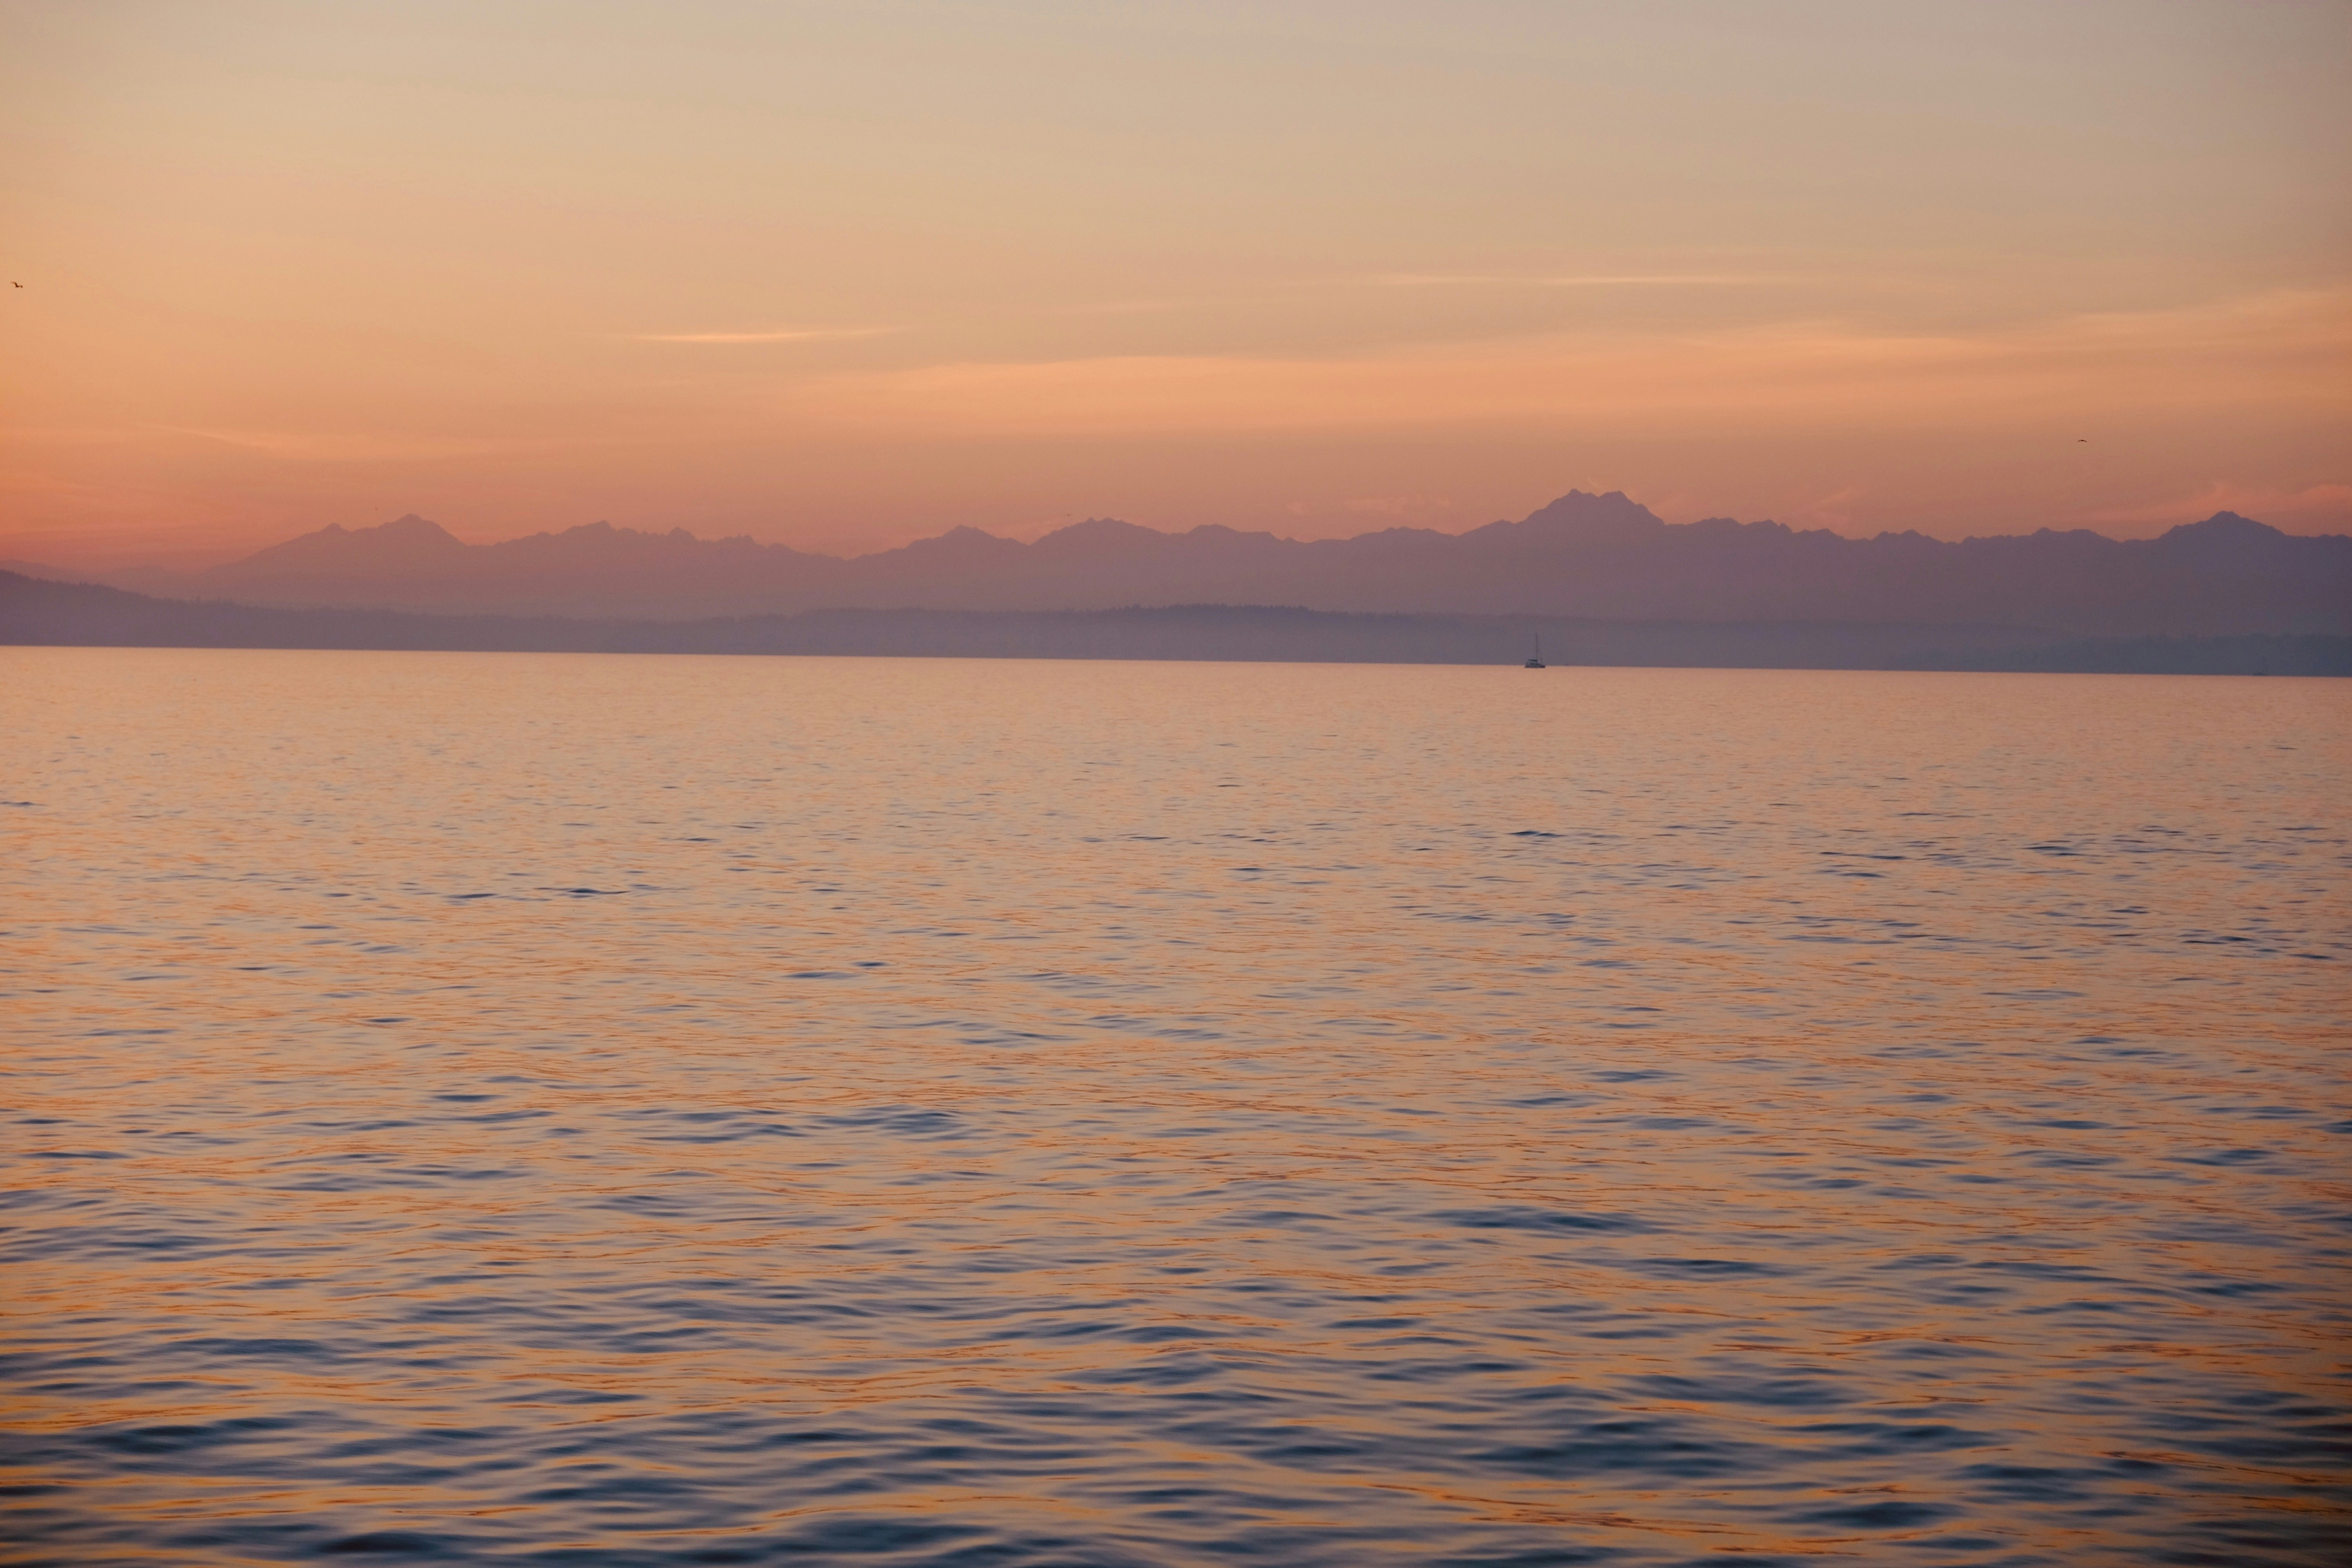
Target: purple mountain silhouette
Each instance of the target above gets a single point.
(1585, 555)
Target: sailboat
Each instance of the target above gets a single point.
(1535, 660)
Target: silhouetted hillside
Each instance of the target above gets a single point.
(35, 611)
(1583, 555)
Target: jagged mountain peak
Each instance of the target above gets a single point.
(1580, 514)
(1096, 535)
(403, 543)
(2224, 525)
(2224, 542)
(407, 525)
(963, 542)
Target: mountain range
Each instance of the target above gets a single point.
(1583, 555)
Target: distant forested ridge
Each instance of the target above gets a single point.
(36, 611)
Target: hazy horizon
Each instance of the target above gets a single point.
(184, 562)
(1582, 556)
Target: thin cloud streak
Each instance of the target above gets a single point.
(790, 335)
(351, 447)
(1130, 307)
(2278, 351)
(1585, 280)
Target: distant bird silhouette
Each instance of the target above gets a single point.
(2082, 440)
(18, 285)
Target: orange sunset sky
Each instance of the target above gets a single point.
(840, 274)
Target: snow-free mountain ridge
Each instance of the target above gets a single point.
(1590, 556)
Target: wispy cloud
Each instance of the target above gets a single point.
(358, 447)
(1126, 307)
(1571, 280)
(2281, 351)
(781, 335)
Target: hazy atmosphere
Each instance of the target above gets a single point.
(1472, 784)
(845, 275)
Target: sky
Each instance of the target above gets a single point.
(844, 274)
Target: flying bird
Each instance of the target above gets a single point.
(18, 285)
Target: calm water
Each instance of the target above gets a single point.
(705, 1111)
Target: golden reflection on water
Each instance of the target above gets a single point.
(1097, 1113)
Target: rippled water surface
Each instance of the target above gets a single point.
(705, 1111)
